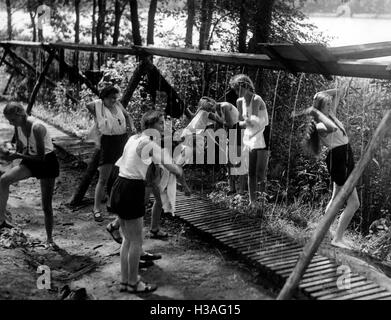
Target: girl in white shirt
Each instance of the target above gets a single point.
(327, 130)
(253, 118)
(127, 196)
(35, 148)
(114, 125)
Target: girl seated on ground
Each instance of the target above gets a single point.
(127, 196)
(35, 148)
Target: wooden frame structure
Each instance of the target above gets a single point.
(349, 61)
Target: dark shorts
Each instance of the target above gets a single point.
(340, 163)
(46, 169)
(127, 198)
(111, 148)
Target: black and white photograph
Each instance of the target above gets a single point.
(195, 155)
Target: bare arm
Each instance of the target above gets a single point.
(128, 119)
(91, 108)
(336, 95)
(329, 126)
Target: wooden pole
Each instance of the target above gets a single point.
(312, 246)
(3, 57)
(9, 82)
(81, 190)
(39, 82)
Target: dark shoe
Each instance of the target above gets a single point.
(158, 234)
(150, 256)
(145, 264)
(141, 287)
(114, 232)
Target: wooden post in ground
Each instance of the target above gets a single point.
(312, 246)
(39, 82)
(81, 190)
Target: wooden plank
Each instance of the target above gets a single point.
(332, 290)
(291, 261)
(327, 282)
(290, 251)
(362, 51)
(354, 293)
(229, 235)
(246, 236)
(377, 296)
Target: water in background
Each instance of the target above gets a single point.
(351, 31)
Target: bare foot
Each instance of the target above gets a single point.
(50, 245)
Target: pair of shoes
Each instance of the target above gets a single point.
(158, 234)
(141, 287)
(150, 256)
(114, 232)
(145, 264)
(7, 225)
(98, 216)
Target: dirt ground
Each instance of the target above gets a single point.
(191, 268)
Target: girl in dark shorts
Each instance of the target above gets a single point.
(127, 196)
(34, 146)
(114, 125)
(327, 130)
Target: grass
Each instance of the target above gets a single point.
(298, 220)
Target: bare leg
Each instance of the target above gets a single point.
(47, 188)
(14, 175)
(132, 230)
(352, 206)
(262, 164)
(182, 181)
(104, 174)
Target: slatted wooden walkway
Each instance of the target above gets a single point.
(276, 256)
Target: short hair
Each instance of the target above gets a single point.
(14, 108)
(242, 80)
(108, 91)
(207, 104)
(150, 118)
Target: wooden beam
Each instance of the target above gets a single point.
(315, 62)
(39, 82)
(275, 55)
(296, 58)
(133, 82)
(9, 82)
(32, 69)
(313, 244)
(3, 57)
(362, 51)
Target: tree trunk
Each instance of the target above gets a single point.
(93, 33)
(77, 32)
(262, 28)
(135, 23)
(203, 28)
(242, 36)
(119, 8)
(100, 28)
(40, 30)
(151, 21)
(9, 19)
(190, 23)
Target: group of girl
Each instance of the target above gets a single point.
(127, 154)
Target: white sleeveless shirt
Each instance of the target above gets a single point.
(253, 136)
(30, 144)
(131, 165)
(109, 124)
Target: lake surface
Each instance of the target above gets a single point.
(350, 31)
